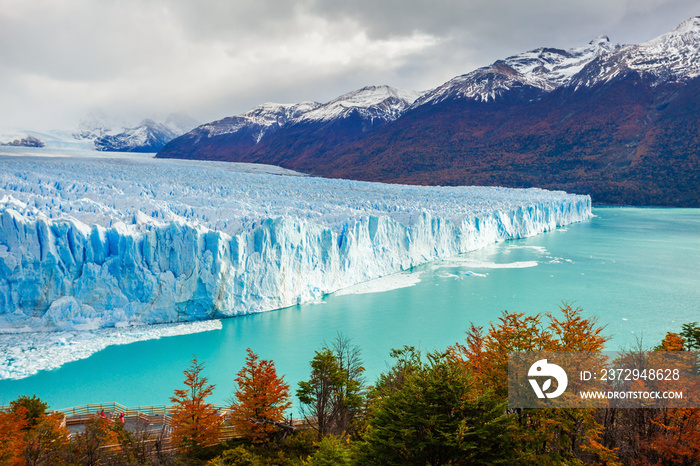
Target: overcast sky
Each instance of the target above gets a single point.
(60, 59)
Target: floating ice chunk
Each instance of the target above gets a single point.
(22, 355)
(479, 264)
(379, 285)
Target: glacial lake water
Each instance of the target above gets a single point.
(637, 270)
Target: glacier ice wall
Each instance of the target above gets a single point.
(88, 243)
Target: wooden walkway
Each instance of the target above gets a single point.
(152, 422)
(155, 420)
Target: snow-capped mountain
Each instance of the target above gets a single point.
(671, 56)
(269, 126)
(27, 141)
(375, 104)
(256, 122)
(674, 56)
(147, 136)
(543, 69)
(616, 121)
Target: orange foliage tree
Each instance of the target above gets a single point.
(262, 399)
(547, 435)
(12, 437)
(196, 423)
(677, 440)
(89, 445)
(29, 436)
(671, 342)
(487, 353)
(47, 442)
(674, 432)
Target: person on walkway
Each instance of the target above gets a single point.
(102, 413)
(121, 418)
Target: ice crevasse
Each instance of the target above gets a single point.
(89, 243)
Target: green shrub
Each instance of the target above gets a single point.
(239, 456)
(332, 451)
(34, 406)
(301, 444)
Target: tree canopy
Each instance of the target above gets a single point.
(196, 423)
(262, 398)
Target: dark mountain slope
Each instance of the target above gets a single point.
(624, 142)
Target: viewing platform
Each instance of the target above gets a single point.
(152, 423)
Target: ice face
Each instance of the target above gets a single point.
(90, 243)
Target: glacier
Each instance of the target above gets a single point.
(89, 243)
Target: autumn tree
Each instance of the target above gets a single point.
(574, 332)
(562, 435)
(196, 423)
(47, 442)
(670, 435)
(89, 445)
(676, 438)
(261, 399)
(12, 424)
(486, 354)
(671, 342)
(44, 437)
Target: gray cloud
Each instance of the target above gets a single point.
(134, 58)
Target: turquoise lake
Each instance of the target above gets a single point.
(637, 270)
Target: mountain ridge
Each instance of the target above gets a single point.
(613, 121)
(148, 136)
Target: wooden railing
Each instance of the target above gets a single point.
(116, 408)
(157, 419)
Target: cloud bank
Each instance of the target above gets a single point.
(134, 58)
